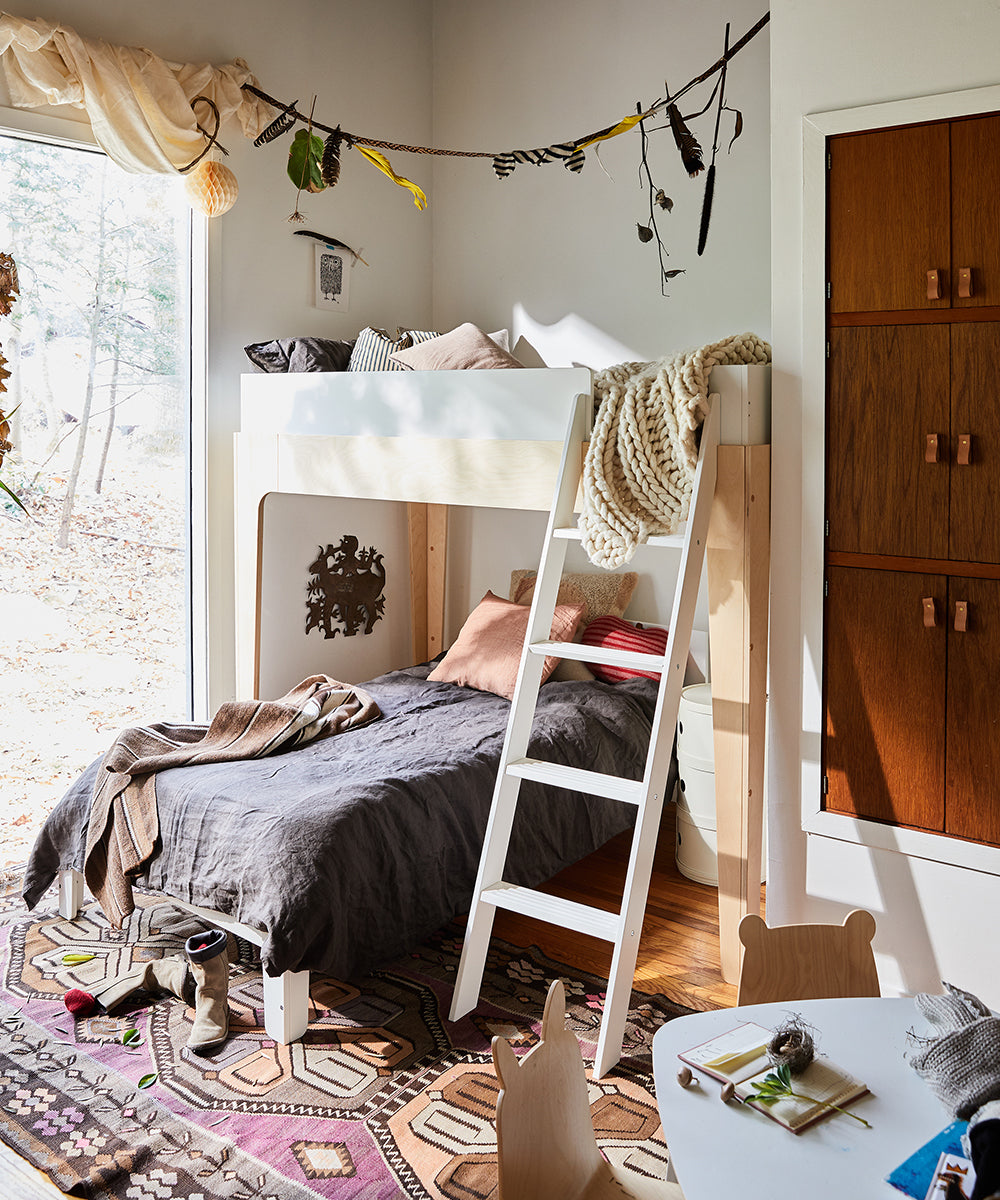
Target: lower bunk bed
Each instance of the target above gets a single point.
(346, 852)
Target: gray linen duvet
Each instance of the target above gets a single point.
(350, 851)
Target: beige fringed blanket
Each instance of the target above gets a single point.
(124, 825)
(643, 452)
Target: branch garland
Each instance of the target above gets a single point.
(320, 162)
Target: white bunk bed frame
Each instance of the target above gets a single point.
(494, 439)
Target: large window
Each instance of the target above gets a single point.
(95, 608)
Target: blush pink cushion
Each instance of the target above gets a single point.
(487, 653)
(466, 348)
(618, 634)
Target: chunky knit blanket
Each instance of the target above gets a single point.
(639, 470)
(124, 825)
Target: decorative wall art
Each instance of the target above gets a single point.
(333, 278)
(344, 592)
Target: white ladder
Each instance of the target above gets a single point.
(492, 891)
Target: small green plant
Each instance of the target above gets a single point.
(777, 1085)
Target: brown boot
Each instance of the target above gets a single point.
(209, 962)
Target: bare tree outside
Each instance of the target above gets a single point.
(93, 580)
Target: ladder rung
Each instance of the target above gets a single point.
(607, 655)
(567, 914)
(575, 779)
(670, 541)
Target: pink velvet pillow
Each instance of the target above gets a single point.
(487, 653)
(466, 348)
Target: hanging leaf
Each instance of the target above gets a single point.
(673, 274)
(73, 959)
(281, 124)
(663, 200)
(738, 128)
(304, 157)
(644, 232)
(131, 1037)
(148, 1080)
(706, 208)
(687, 143)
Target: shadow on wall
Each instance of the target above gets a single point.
(569, 342)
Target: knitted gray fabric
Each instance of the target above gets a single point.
(962, 1062)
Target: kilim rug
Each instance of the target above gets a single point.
(383, 1097)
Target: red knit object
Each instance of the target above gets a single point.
(79, 1003)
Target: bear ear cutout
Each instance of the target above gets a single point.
(753, 929)
(504, 1060)
(554, 1016)
(861, 924)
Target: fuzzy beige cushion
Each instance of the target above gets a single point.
(487, 653)
(466, 348)
(602, 593)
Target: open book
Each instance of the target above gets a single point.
(740, 1057)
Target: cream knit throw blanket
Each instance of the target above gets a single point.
(639, 470)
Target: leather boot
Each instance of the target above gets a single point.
(160, 975)
(209, 960)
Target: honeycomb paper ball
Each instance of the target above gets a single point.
(212, 188)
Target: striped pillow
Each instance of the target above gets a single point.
(619, 634)
(372, 350)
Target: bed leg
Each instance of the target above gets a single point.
(286, 1005)
(70, 893)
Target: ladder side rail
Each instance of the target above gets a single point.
(503, 807)
(636, 888)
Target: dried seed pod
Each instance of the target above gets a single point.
(330, 163)
(663, 200)
(644, 232)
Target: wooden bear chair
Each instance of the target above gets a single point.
(807, 962)
(546, 1146)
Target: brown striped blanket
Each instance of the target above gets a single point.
(124, 824)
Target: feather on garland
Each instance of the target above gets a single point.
(330, 164)
(706, 208)
(687, 143)
(281, 124)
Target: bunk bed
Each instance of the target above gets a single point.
(427, 440)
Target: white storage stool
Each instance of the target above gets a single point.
(696, 850)
(696, 840)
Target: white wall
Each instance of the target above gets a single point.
(368, 66)
(556, 254)
(931, 916)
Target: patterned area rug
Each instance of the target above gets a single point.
(383, 1097)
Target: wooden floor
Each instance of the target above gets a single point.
(678, 953)
(679, 949)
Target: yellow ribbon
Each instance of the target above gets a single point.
(380, 161)
(623, 126)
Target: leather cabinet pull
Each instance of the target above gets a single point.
(933, 285)
(931, 453)
(965, 282)
(964, 449)
(930, 612)
(961, 615)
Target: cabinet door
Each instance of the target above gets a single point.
(972, 801)
(883, 744)
(974, 534)
(888, 390)
(975, 207)
(889, 218)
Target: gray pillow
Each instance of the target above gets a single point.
(300, 354)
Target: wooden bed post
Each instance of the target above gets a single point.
(428, 527)
(738, 571)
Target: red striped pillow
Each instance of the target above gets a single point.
(619, 634)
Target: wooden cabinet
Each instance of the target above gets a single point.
(911, 656)
(912, 732)
(908, 201)
(913, 441)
